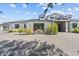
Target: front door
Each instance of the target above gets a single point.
(61, 26)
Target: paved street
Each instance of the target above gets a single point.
(68, 42)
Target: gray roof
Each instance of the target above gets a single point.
(30, 20)
(33, 20)
(74, 20)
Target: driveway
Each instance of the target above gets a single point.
(68, 42)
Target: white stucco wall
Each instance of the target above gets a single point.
(1, 28)
(12, 25)
(28, 24)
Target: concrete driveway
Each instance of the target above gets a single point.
(68, 42)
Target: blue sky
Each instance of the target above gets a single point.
(20, 11)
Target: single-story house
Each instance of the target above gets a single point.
(65, 23)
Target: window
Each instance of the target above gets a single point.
(16, 26)
(51, 18)
(24, 25)
(42, 16)
(74, 25)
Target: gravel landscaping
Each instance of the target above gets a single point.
(29, 48)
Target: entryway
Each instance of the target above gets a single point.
(61, 26)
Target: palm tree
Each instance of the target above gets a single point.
(1, 12)
(50, 5)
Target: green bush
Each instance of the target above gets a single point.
(48, 30)
(52, 29)
(12, 30)
(55, 28)
(75, 30)
(25, 31)
(20, 30)
(28, 31)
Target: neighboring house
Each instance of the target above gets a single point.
(65, 23)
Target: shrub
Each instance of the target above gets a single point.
(48, 30)
(10, 31)
(75, 30)
(20, 30)
(55, 28)
(29, 31)
(25, 31)
(52, 29)
(14, 30)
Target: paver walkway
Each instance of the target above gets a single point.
(68, 42)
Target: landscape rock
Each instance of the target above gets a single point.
(29, 48)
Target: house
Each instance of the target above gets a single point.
(65, 23)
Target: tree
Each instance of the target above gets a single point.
(1, 12)
(50, 5)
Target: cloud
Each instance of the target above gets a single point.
(13, 5)
(34, 13)
(76, 9)
(69, 9)
(4, 18)
(27, 13)
(59, 11)
(59, 3)
(44, 7)
(24, 5)
(42, 4)
(17, 11)
(72, 13)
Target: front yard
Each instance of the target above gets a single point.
(68, 42)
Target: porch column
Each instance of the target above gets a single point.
(1, 28)
(66, 27)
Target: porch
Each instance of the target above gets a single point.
(63, 25)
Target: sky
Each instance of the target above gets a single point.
(21, 11)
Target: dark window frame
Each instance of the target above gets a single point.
(24, 25)
(74, 25)
(17, 26)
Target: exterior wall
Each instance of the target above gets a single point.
(12, 25)
(28, 24)
(72, 23)
(67, 25)
(5, 26)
